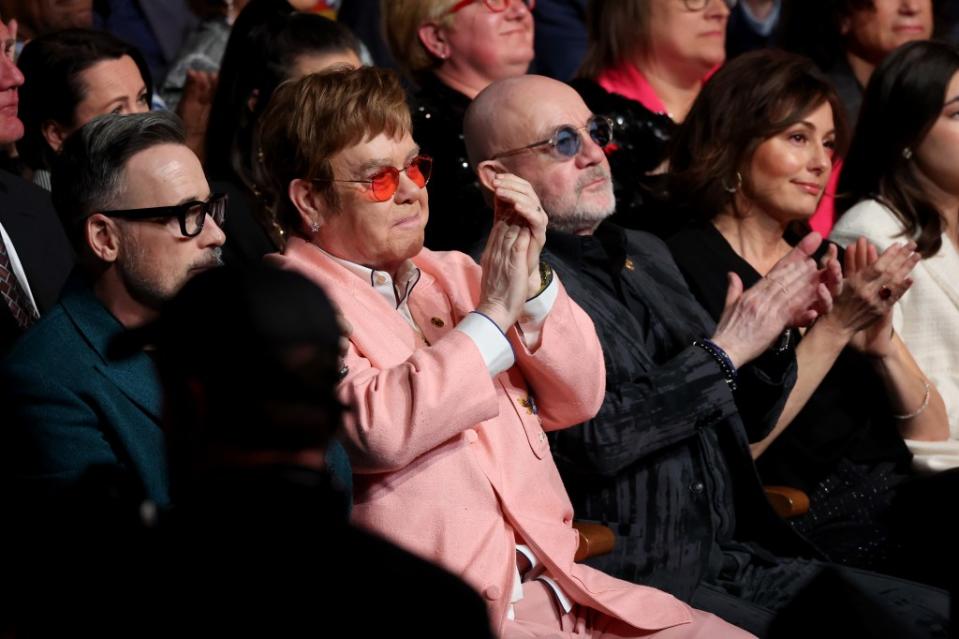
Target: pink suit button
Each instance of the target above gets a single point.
(471, 436)
(492, 593)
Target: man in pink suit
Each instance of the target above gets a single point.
(453, 370)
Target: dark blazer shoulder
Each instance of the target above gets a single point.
(28, 217)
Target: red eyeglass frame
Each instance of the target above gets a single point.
(465, 3)
(423, 164)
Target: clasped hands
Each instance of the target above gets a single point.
(796, 292)
(510, 261)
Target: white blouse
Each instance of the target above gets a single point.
(926, 317)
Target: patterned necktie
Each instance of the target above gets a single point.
(13, 294)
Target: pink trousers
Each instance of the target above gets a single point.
(538, 615)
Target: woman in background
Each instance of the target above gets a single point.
(453, 50)
(71, 77)
(645, 64)
(901, 182)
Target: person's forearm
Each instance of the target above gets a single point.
(912, 395)
(815, 355)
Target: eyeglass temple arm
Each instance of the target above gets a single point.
(506, 154)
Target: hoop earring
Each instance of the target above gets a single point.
(733, 189)
(907, 153)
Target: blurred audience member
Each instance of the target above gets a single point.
(158, 28)
(363, 19)
(646, 62)
(35, 256)
(859, 391)
(474, 487)
(71, 77)
(901, 183)
(849, 38)
(269, 45)
(138, 210)
(751, 25)
(203, 49)
(560, 41)
(38, 17)
(453, 49)
(274, 407)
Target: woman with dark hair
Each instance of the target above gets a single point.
(270, 43)
(746, 180)
(645, 63)
(900, 182)
(71, 77)
(847, 39)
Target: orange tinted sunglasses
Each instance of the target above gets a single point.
(386, 181)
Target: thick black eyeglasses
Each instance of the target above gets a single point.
(191, 215)
(567, 140)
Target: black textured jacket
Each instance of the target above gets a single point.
(665, 462)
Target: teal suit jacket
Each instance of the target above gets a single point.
(69, 406)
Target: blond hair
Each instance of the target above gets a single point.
(402, 20)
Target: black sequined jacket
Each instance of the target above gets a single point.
(459, 218)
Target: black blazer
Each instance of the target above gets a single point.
(665, 462)
(31, 222)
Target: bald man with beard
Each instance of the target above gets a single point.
(666, 461)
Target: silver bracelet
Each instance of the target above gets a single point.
(918, 411)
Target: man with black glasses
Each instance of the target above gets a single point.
(77, 403)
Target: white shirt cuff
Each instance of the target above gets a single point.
(534, 316)
(496, 350)
(536, 309)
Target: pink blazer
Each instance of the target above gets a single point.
(454, 465)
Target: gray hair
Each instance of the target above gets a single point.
(88, 172)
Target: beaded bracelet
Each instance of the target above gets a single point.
(725, 364)
(918, 411)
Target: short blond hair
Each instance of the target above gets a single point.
(308, 121)
(402, 20)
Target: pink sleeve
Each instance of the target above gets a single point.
(566, 373)
(402, 412)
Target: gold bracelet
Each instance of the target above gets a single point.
(918, 411)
